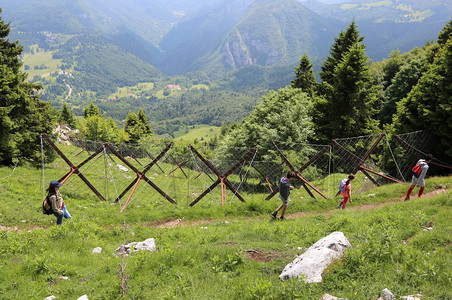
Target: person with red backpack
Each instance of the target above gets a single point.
(419, 171)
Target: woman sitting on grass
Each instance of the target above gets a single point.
(57, 203)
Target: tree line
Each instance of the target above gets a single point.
(406, 92)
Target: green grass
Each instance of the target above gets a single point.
(199, 87)
(200, 132)
(137, 90)
(208, 258)
(376, 4)
(38, 59)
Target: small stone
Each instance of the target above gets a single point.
(387, 295)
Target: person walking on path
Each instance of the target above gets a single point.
(347, 192)
(56, 202)
(284, 192)
(419, 171)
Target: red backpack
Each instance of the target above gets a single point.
(416, 171)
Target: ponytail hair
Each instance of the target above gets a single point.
(350, 178)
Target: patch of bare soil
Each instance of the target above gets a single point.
(15, 228)
(176, 222)
(261, 256)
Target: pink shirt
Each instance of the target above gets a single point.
(347, 187)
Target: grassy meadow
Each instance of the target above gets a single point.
(200, 133)
(38, 59)
(211, 251)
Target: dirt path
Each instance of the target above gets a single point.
(435, 192)
(181, 222)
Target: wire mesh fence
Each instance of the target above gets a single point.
(156, 173)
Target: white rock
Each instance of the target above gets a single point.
(84, 297)
(328, 297)
(122, 168)
(317, 258)
(387, 295)
(148, 244)
(50, 298)
(97, 250)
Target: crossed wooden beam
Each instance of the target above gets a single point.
(298, 172)
(222, 178)
(140, 175)
(359, 163)
(75, 169)
(178, 166)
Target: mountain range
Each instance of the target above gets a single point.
(217, 36)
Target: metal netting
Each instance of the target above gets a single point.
(311, 161)
(158, 173)
(219, 175)
(410, 147)
(371, 154)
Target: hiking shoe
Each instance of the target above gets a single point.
(406, 198)
(274, 214)
(282, 218)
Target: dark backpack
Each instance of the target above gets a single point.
(46, 206)
(416, 171)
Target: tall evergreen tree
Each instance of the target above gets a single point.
(22, 115)
(67, 117)
(341, 47)
(347, 107)
(92, 110)
(304, 76)
(137, 126)
(445, 34)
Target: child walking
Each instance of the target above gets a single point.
(347, 193)
(284, 192)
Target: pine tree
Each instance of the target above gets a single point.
(136, 126)
(347, 107)
(445, 34)
(341, 47)
(304, 76)
(92, 110)
(22, 115)
(67, 117)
